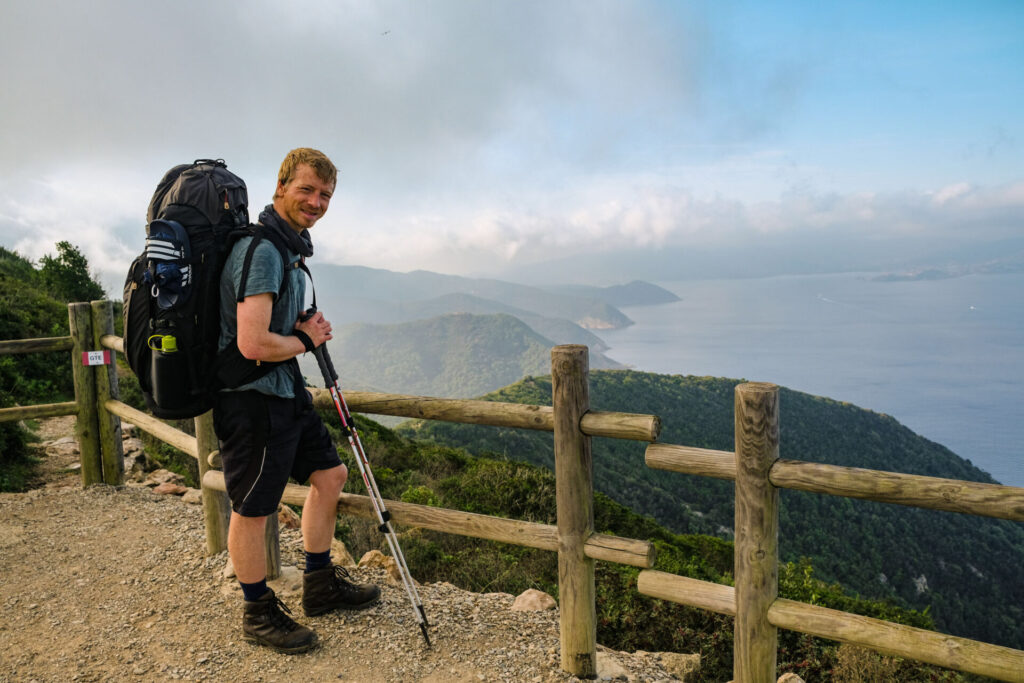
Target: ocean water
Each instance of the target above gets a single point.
(944, 357)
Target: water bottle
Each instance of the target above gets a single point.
(169, 372)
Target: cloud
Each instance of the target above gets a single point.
(607, 217)
(409, 94)
(468, 135)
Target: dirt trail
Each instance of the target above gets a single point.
(112, 584)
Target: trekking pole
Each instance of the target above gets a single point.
(323, 358)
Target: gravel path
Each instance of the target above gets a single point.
(111, 584)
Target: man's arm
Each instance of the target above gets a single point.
(257, 342)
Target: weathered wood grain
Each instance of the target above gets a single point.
(87, 425)
(216, 507)
(17, 413)
(111, 448)
(686, 591)
(611, 425)
(757, 532)
(151, 425)
(703, 462)
(40, 345)
(933, 493)
(574, 496)
(994, 661)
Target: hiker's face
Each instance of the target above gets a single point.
(304, 199)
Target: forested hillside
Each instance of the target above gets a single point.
(33, 303)
(964, 569)
(455, 355)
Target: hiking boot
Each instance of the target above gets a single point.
(266, 622)
(332, 588)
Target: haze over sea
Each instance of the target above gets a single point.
(944, 357)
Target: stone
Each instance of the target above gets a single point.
(609, 668)
(290, 581)
(790, 678)
(372, 558)
(533, 600)
(288, 518)
(683, 667)
(340, 554)
(170, 488)
(377, 559)
(157, 477)
(192, 497)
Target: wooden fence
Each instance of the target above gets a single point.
(754, 466)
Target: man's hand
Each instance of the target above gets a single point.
(257, 342)
(317, 327)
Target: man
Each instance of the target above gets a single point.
(267, 428)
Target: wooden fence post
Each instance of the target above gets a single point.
(87, 424)
(111, 448)
(216, 508)
(273, 542)
(757, 532)
(574, 493)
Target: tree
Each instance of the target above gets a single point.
(67, 276)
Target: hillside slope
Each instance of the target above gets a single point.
(964, 568)
(454, 355)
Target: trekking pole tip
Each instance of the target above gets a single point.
(423, 629)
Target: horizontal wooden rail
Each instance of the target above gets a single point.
(962, 654)
(686, 591)
(471, 411)
(32, 412)
(151, 425)
(994, 661)
(914, 490)
(608, 424)
(41, 345)
(541, 536)
(700, 461)
(935, 493)
(112, 341)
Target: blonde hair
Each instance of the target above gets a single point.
(317, 160)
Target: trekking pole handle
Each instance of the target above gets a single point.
(323, 358)
(325, 369)
(325, 354)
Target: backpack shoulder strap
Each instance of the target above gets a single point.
(261, 234)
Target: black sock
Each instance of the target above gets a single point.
(254, 591)
(316, 561)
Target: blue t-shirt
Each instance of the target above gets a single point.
(265, 275)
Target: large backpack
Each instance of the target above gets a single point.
(172, 292)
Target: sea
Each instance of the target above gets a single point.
(944, 357)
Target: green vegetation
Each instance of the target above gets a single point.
(33, 303)
(433, 474)
(963, 569)
(455, 355)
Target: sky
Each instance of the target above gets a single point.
(495, 137)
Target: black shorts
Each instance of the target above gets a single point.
(264, 440)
